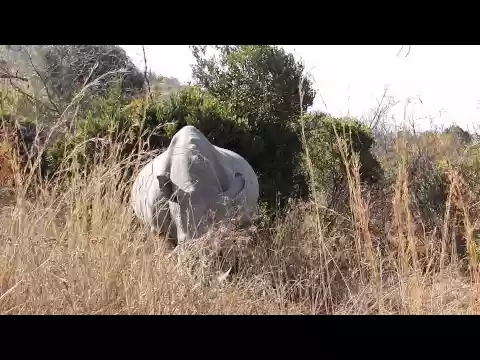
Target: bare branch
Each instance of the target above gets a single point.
(146, 73)
(409, 48)
(87, 79)
(6, 74)
(10, 76)
(45, 85)
(28, 96)
(381, 110)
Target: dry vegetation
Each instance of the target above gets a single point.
(73, 246)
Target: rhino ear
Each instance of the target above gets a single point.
(236, 187)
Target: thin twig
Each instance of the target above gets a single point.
(409, 48)
(11, 76)
(146, 73)
(49, 95)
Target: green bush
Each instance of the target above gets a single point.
(427, 158)
(154, 124)
(329, 171)
(215, 119)
(428, 185)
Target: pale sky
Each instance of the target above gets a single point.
(350, 79)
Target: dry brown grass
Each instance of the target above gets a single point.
(76, 248)
(73, 246)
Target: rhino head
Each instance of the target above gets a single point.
(195, 205)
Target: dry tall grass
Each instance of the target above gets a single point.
(74, 247)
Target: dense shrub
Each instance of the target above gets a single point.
(463, 137)
(322, 135)
(428, 185)
(153, 124)
(428, 158)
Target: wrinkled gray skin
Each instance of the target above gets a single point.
(191, 180)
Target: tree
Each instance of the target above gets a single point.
(60, 72)
(261, 83)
